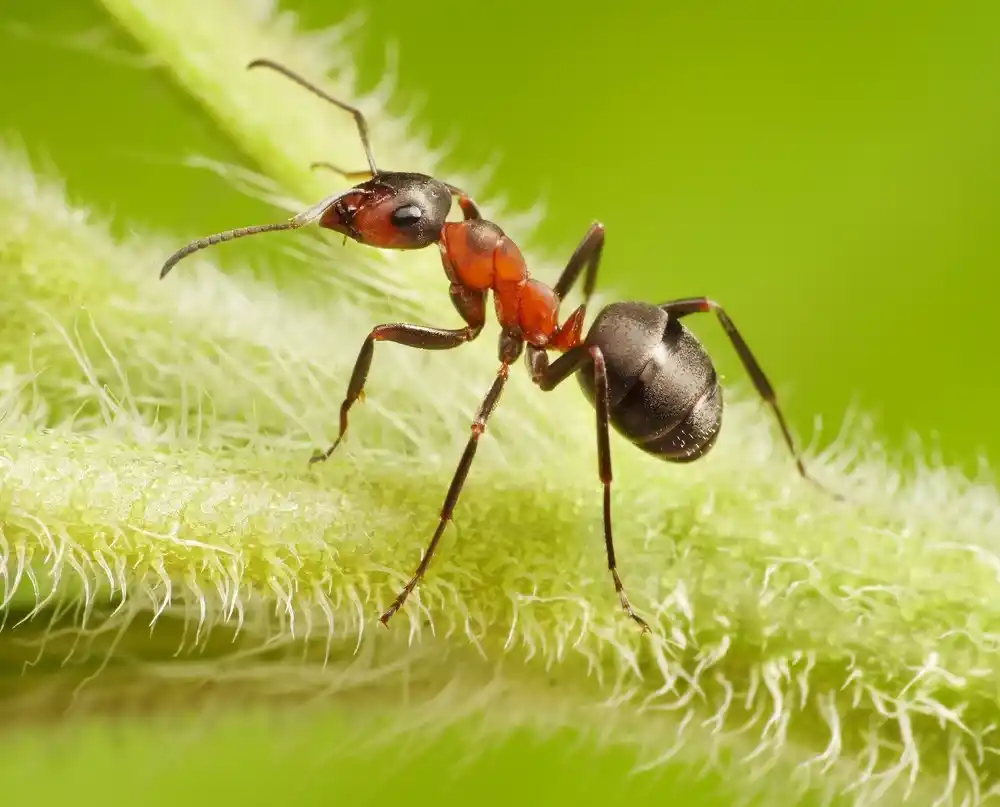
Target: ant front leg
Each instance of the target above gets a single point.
(549, 376)
(703, 305)
(454, 491)
(470, 210)
(472, 307)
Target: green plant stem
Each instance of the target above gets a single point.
(155, 437)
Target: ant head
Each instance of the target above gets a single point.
(393, 210)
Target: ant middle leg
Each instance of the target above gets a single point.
(587, 254)
(547, 377)
(455, 489)
(471, 306)
(704, 305)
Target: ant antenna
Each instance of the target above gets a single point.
(218, 238)
(301, 220)
(359, 117)
(350, 176)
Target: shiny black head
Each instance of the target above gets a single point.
(393, 210)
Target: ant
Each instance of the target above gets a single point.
(641, 369)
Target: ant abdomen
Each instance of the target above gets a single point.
(664, 395)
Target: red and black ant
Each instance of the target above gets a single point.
(643, 371)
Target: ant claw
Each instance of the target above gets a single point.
(840, 497)
(643, 627)
(323, 456)
(627, 606)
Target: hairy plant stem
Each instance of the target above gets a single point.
(153, 469)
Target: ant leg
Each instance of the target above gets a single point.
(548, 376)
(472, 308)
(588, 254)
(401, 333)
(703, 305)
(470, 210)
(458, 480)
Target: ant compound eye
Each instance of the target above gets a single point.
(406, 216)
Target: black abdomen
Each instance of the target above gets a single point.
(664, 393)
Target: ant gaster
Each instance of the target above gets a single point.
(642, 370)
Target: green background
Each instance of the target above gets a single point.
(829, 171)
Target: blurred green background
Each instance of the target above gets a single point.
(829, 171)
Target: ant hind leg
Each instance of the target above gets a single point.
(549, 376)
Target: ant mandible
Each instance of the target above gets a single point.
(643, 371)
